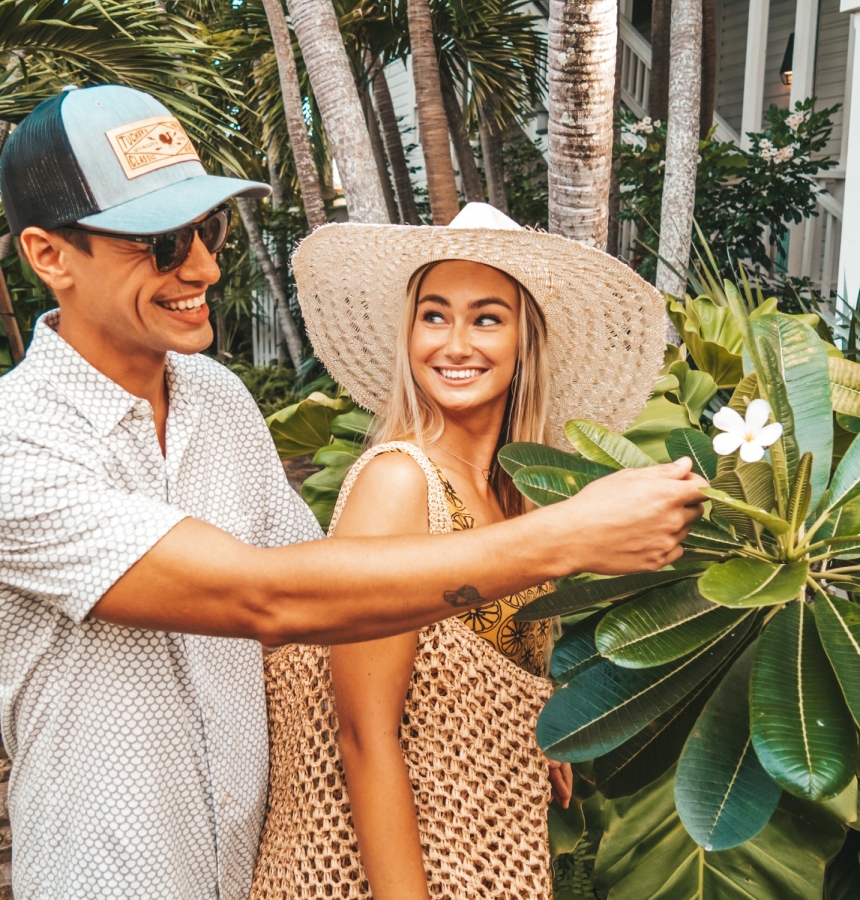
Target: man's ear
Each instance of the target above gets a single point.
(49, 256)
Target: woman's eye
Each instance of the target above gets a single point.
(433, 317)
(483, 321)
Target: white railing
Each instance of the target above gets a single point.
(635, 65)
(821, 236)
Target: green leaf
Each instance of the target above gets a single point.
(514, 457)
(354, 425)
(842, 522)
(802, 731)
(601, 445)
(662, 625)
(838, 624)
(845, 484)
(652, 751)
(801, 493)
(646, 854)
(844, 386)
(689, 442)
(574, 652)
(605, 705)
(711, 338)
(544, 485)
(749, 483)
(744, 393)
(743, 582)
(773, 523)
(584, 594)
(723, 795)
(566, 828)
(338, 454)
(657, 419)
(695, 389)
(704, 535)
(803, 367)
(304, 427)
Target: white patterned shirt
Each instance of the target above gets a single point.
(139, 758)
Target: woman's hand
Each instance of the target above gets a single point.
(561, 779)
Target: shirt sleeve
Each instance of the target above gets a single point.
(66, 536)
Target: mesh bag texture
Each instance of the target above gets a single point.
(480, 780)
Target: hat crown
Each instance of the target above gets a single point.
(482, 215)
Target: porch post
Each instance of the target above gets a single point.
(751, 113)
(848, 282)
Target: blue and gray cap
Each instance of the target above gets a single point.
(111, 158)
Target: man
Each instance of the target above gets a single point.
(143, 513)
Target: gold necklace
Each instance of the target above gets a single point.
(484, 472)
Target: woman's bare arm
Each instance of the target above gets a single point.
(370, 683)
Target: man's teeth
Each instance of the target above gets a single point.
(180, 305)
(460, 373)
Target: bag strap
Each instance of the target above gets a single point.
(437, 505)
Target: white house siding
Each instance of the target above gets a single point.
(402, 88)
(831, 63)
(731, 26)
(781, 25)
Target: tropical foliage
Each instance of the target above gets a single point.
(745, 199)
(741, 662)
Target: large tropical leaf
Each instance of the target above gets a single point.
(843, 522)
(601, 445)
(658, 417)
(723, 795)
(845, 484)
(646, 854)
(575, 651)
(662, 625)
(566, 828)
(605, 705)
(752, 484)
(514, 457)
(844, 386)
(652, 751)
(711, 337)
(583, 594)
(304, 427)
(801, 729)
(544, 485)
(689, 442)
(838, 624)
(705, 535)
(773, 523)
(802, 366)
(743, 582)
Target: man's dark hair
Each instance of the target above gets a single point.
(77, 239)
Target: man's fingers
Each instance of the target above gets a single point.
(678, 469)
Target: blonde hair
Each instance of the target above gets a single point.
(411, 414)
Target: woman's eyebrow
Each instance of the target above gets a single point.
(433, 298)
(475, 304)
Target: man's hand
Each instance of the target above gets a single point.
(561, 780)
(634, 519)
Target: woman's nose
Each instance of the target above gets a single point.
(459, 345)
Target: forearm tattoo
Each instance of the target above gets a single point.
(464, 596)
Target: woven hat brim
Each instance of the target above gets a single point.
(605, 324)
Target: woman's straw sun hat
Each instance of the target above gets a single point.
(605, 324)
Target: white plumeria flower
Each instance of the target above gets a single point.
(751, 434)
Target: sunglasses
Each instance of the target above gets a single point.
(171, 248)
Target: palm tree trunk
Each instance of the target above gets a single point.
(470, 177)
(582, 39)
(658, 91)
(682, 146)
(491, 146)
(272, 161)
(709, 68)
(614, 187)
(432, 121)
(297, 130)
(377, 145)
(10, 323)
(394, 149)
(286, 323)
(316, 27)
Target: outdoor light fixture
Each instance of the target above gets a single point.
(541, 121)
(785, 70)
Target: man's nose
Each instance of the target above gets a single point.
(200, 265)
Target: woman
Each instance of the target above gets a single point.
(433, 731)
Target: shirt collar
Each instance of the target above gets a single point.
(101, 401)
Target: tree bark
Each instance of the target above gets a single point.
(612, 237)
(658, 91)
(379, 153)
(272, 161)
(394, 150)
(582, 39)
(286, 323)
(297, 129)
(432, 121)
(316, 27)
(491, 146)
(470, 177)
(709, 68)
(10, 323)
(682, 147)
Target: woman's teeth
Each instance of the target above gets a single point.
(460, 373)
(181, 305)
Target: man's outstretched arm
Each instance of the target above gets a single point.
(197, 579)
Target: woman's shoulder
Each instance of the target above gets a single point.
(388, 496)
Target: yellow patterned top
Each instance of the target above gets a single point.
(524, 643)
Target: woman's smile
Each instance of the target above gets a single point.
(459, 375)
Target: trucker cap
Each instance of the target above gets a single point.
(111, 158)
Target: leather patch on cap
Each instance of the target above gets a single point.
(151, 144)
